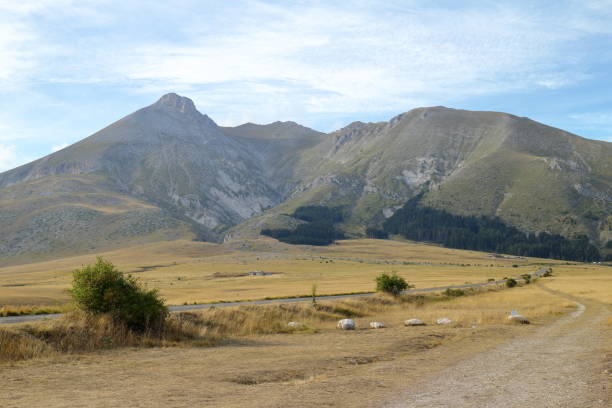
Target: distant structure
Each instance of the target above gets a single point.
(259, 273)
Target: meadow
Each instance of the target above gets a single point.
(196, 272)
(224, 356)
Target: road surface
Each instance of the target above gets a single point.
(181, 308)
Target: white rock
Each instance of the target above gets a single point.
(377, 325)
(518, 319)
(346, 324)
(414, 322)
(295, 325)
(444, 320)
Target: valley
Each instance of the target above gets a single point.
(252, 355)
(198, 272)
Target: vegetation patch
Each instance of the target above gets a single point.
(103, 289)
(450, 292)
(392, 284)
(420, 223)
(319, 227)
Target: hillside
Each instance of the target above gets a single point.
(167, 171)
(532, 176)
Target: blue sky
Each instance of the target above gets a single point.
(71, 67)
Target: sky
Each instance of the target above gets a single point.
(71, 67)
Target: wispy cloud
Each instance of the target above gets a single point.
(8, 157)
(309, 61)
(59, 147)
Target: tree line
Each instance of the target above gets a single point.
(319, 227)
(420, 223)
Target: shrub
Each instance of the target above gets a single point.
(511, 282)
(454, 292)
(101, 288)
(392, 284)
(548, 273)
(527, 278)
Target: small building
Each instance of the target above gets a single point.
(259, 273)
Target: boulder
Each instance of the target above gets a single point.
(377, 325)
(414, 322)
(346, 324)
(517, 318)
(295, 325)
(444, 320)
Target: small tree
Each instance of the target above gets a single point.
(392, 284)
(102, 288)
(511, 282)
(527, 278)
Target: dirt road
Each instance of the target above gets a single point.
(560, 365)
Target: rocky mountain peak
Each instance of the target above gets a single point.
(177, 103)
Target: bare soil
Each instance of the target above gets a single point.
(565, 364)
(556, 363)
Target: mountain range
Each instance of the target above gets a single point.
(168, 171)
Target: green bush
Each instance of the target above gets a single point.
(527, 278)
(511, 282)
(454, 292)
(548, 273)
(392, 284)
(102, 288)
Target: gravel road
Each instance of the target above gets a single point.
(561, 365)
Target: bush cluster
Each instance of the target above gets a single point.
(392, 284)
(101, 288)
(454, 292)
(511, 282)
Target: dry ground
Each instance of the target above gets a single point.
(364, 368)
(430, 366)
(188, 272)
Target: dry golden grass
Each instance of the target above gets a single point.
(584, 281)
(78, 332)
(32, 309)
(187, 272)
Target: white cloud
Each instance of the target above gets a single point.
(8, 157)
(59, 147)
(355, 59)
(259, 61)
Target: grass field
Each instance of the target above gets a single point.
(188, 272)
(254, 356)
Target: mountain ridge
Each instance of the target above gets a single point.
(228, 182)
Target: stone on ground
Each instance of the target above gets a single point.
(346, 324)
(517, 318)
(414, 322)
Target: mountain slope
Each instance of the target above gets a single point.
(533, 176)
(168, 171)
